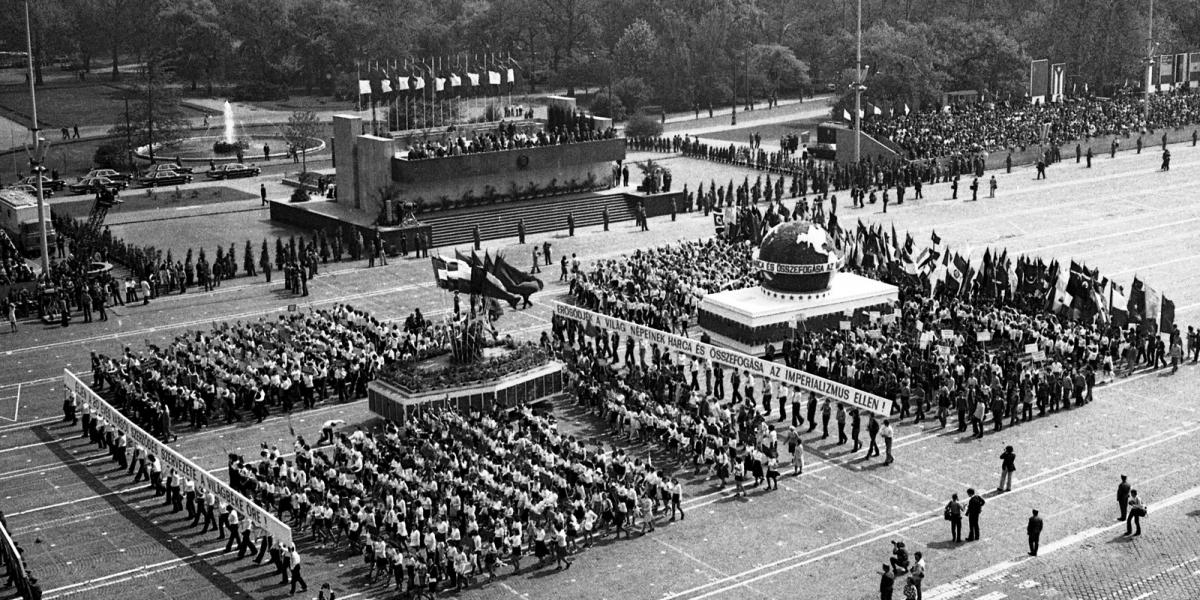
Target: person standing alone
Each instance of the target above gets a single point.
(1034, 530)
(1008, 466)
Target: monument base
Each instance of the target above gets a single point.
(749, 319)
(395, 403)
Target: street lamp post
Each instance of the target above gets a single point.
(39, 148)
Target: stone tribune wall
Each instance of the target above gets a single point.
(541, 166)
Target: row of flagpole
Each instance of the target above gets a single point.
(395, 81)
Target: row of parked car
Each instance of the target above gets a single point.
(113, 180)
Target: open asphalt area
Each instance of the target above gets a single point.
(88, 532)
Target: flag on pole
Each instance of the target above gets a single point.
(493, 78)
(1153, 309)
(906, 111)
(364, 87)
(1166, 320)
(439, 83)
(846, 115)
(473, 78)
(455, 80)
(510, 76)
(875, 110)
(1118, 304)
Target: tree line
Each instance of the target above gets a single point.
(677, 54)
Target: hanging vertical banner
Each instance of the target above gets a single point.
(1194, 67)
(1181, 68)
(1039, 80)
(205, 482)
(1058, 81)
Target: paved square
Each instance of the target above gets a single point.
(89, 533)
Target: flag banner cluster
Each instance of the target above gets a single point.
(205, 481)
(486, 275)
(457, 76)
(1073, 289)
(595, 323)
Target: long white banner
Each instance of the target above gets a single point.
(171, 459)
(762, 368)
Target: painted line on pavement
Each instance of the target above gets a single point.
(967, 583)
(123, 576)
(903, 525)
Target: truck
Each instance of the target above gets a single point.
(19, 219)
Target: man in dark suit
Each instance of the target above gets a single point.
(974, 507)
(1123, 497)
(1034, 529)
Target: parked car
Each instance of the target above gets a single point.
(112, 174)
(31, 190)
(168, 167)
(54, 184)
(91, 184)
(231, 170)
(158, 178)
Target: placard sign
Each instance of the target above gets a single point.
(770, 370)
(171, 459)
(983, 336)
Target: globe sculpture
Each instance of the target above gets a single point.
(797, 257)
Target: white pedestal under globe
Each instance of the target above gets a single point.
(751, 318)
(801, 287)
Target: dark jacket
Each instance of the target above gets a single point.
(1034, 528)
(975, 505)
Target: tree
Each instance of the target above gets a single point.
(637, 50)
(199, 43)
(779, 68)
(302, 128)
(155, 115)
(643, 126)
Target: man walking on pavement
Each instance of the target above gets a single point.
(1034, 530)
(262, 193)
(974, 508)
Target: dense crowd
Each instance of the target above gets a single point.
(662, 287)
(812, 175)
(507, 136)
(648, 393)
(249, 369)
(450, 498)
(992, 127)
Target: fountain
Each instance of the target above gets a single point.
(230, 138)
(227, 146)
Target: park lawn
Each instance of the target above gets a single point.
(141, 200)
(70, 104)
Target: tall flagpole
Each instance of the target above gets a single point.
(1149, 60)
(858, 90)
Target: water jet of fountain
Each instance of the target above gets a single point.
(229, 136)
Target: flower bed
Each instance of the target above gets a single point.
(414, 380)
